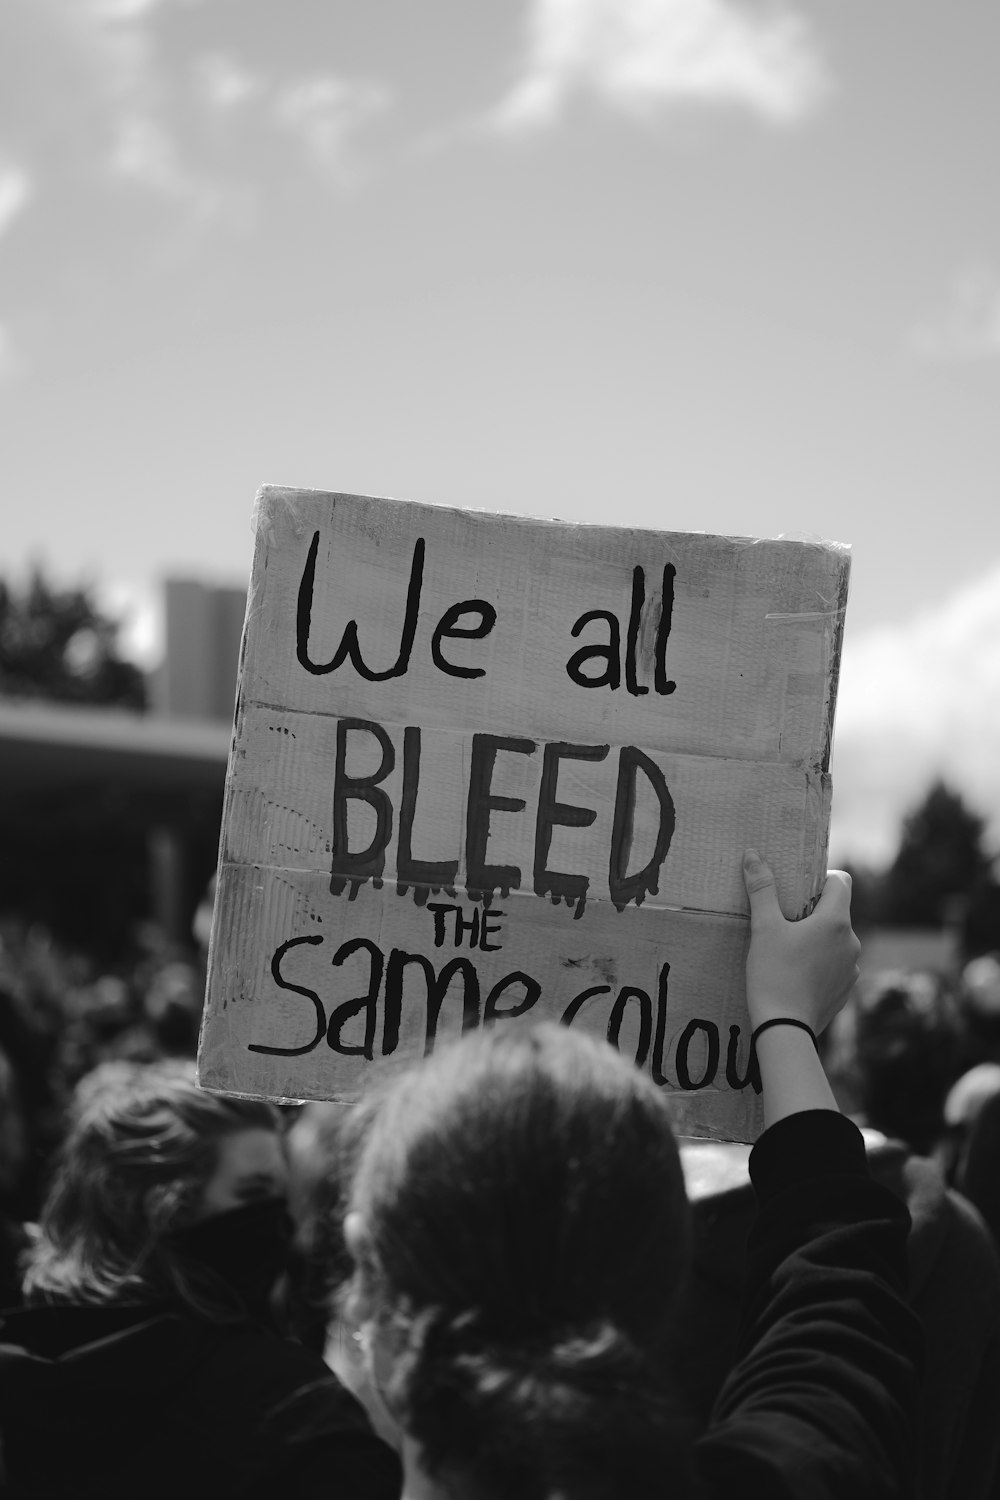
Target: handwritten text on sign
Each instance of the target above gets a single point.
(486, 768)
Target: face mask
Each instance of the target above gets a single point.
(248, 1247)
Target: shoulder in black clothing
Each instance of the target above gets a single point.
(822, 1401)
(167, 1405)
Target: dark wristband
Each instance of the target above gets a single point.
(783, 1021)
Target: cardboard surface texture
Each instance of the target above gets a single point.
(518, 785)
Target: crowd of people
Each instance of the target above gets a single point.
(62, 1013)
(502, 1275)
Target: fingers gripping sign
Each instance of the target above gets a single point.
(800, 971)
(804, 969)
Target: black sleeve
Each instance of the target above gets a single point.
(821, 1402)
(339, 1466)
(326, 1449)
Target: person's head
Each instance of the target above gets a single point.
(978, 1173)
(907, 1039)
(321, 1143)
(142, 1200)
(520, 1230)
(172, 1006)
(981, 984)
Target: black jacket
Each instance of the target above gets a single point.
(953, 1283)
(822, 1401)
(122, 1402)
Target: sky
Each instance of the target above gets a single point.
(719, 265)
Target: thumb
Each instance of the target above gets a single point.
(759, 881)
(836, 894)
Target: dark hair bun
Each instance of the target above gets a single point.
(589, 1415)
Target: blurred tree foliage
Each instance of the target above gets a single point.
(866, 896)
(58, 644)
(940, 863)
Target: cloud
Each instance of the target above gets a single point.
(917, 701)
(133, 10)
(123, 55)
(144, 152)
(147, 140)
(123, 10)
(15, 191)
(968, 326)
(224, 83)
(324, 112)
(16, 188)
(8, 361)
(641, 56)
(139, 101)
(144, 105)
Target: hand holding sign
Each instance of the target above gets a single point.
(799, 975)
(806, 969)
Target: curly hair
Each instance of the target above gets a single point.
(142, 1143)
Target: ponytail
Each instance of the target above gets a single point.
(525, 1238)
(588, 1416)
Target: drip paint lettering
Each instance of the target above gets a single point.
(482, 879)
(697, 1053)
(484, 616)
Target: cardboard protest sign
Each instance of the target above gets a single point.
(487, 769)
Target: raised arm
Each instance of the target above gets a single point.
(797, 972)
(821, 1402)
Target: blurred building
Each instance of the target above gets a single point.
(109, 818)
(197, 678)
